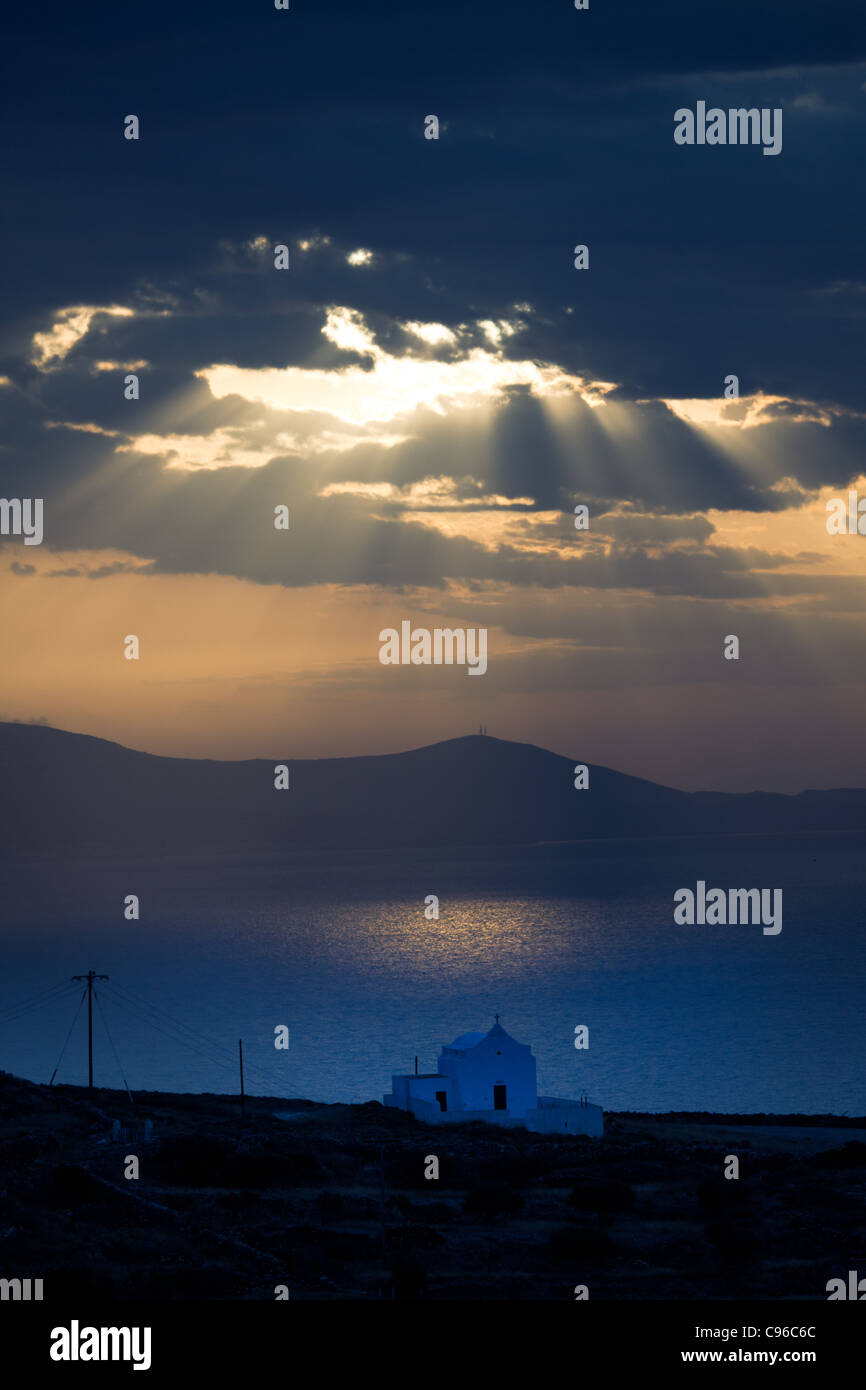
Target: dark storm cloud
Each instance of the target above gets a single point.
(631, 449)
(559, 130)
(628, 528)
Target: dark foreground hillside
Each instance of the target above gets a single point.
(332, 1202)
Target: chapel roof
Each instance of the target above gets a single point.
(467, 1040)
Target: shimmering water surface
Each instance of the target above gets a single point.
(338, 949)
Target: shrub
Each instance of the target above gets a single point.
(851, 1155)
(408, 1278)
(602, 1196)
(69, 1186)
(580, 1243)
(329, 1205)
(720, 1195)
(201, 1161)
(498, 1199)
(410, 1239)
(732, 1240)
(191, 1160)
(266, 1170)
(517, 1169)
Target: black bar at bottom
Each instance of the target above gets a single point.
(239, 1339)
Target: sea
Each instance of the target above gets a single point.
(342, 957)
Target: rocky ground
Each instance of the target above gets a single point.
(332, 1202)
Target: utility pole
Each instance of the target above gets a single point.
(90, 977)
(241, 1055)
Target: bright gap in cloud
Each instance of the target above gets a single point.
(119, 366)
(393, 386)
(748, 411)
(428, 493)
(226, 448)
(432, 333)
(69, 327)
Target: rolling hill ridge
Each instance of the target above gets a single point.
(71, 793)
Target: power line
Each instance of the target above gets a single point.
(52, 989)
(173, 1022)
(68, 1036)
(25, 1008)
(113, 1048)
(176, 1031)
(142, 1010)
(196, 1041)
(177, 1038)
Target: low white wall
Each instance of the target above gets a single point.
(550, 1116)
(553, 1116)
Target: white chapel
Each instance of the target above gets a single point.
(490, 1077)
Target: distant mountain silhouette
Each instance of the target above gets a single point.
(63, 793)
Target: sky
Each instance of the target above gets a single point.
(431, 387)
